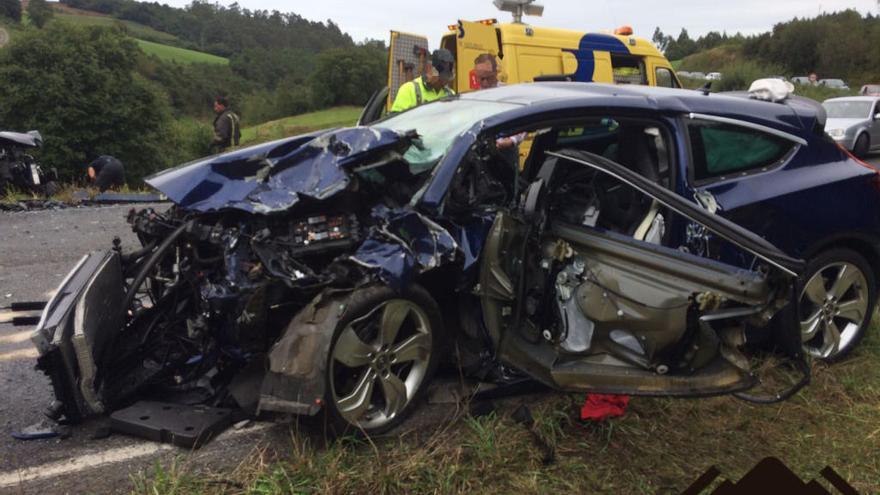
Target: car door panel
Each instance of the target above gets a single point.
(580, 308)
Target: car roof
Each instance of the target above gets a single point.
(853, 98)
(795, 112)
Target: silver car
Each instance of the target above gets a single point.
(854, 122)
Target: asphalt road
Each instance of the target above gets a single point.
(38, 249)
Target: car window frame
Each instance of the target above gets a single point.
(672, 78)
(689, 120)
(668, 129)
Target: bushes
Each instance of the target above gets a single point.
(739, 76)
(78, 87)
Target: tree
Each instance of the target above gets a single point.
(661, 41)
(11, 9)
(39, 12)
(78, 87)
(348, 76)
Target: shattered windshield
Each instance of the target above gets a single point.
(438, 124)
(848, 109)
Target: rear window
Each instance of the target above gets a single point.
(628, 69)
(722, 150)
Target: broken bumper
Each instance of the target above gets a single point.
(76, 328)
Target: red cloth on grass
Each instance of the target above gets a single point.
(599, 407)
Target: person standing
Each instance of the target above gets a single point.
(486, 74)
(105, 172)
(227, 132)
(431, 85)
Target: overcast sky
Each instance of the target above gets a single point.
(374, 18)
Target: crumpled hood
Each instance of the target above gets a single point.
(272, 177)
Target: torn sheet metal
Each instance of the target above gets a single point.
(274, 176)
(294, 382)
(406, 244)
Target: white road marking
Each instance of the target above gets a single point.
(111, 456)
(15, 338)
(30, 353)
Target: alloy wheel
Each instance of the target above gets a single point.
(834, 303)
(378, 363)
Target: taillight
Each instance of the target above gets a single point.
(875, 179)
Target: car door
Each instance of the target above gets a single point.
(599, 311)
(727, 174)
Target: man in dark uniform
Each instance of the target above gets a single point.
(105, 172)
(226, 129)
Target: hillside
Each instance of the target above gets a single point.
(711, 60)
(300, 124)
(153, 42)
(180, 55)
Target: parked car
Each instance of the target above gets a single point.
(332, 271)
(854, 122)
(713, 76)
(800, 80)
(870, 90)
(834, 84)
(781, 78)
(683, 73)
(698, 75)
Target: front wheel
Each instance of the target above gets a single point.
(836, 303)
(862, 146)
(383, 353)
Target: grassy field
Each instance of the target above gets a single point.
(299, 124)
(659, 446)
(132, 28)
(180, 55)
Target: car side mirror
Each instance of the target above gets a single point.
(877, 116)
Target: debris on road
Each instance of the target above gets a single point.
(40, 430)
(184, 426)
(599, 407)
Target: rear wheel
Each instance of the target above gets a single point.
(836, 303)
(863, 144)
(384, 352)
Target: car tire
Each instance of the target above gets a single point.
(836, 301)
(862, 146)
(371, 387)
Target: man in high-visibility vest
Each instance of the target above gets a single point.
(430, 86)
(227, 131)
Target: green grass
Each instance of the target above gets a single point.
(132, 28)
(180, 55)
(659, 446)
(299, 124)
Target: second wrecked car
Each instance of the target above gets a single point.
(334, 271)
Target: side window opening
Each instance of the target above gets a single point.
(720, 151)
(582, 197)
(628, 69)
(664, 78)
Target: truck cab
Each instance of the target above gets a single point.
(527, 53)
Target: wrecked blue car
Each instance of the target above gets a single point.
(333, 272)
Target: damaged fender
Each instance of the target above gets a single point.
(294, 382)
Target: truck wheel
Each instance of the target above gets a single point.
(383, 354)
(836, 303)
